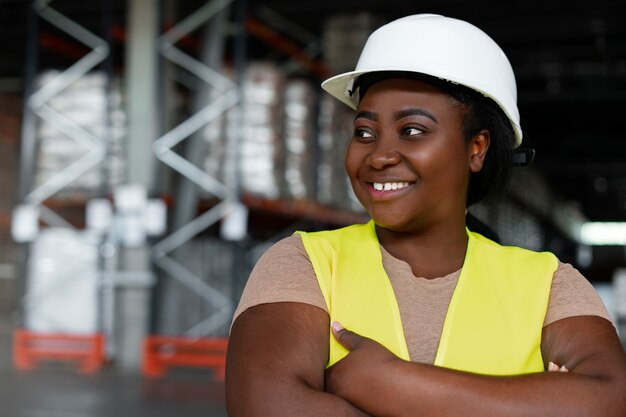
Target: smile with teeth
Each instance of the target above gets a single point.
(387, 186)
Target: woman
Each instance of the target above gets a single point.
(412, 314)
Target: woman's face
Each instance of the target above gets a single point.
(408, 162)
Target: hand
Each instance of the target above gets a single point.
(553, 367)
(364, 377)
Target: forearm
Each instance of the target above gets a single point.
(416, 389)
(380, 383)
(287, 398)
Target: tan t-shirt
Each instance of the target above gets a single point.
(285, 274)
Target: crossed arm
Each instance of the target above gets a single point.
(278, 352)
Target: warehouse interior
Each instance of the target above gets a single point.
(152, 150)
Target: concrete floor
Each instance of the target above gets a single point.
(57, 390)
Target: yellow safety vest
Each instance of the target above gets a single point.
(495, 317)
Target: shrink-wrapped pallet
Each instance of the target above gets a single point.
(261, 151)
(215, 148)
(335, 132)
(256, 127)
(299, 139)
(62, 283)
(91, 106)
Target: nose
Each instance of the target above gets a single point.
(383, 155)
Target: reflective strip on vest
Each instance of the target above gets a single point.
(494, 320)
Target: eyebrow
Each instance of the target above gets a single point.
(366, 115)
(414, 112)
(398, 115)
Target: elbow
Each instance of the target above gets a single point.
(269, 395)
(619, 388)
(250, 397)
(248, 403)
(611, 398)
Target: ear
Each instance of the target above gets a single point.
(478, 147)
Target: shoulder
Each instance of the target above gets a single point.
(569, 281)
(285, 252)
(287, 257)
(285, 248)
(572, 295)
(283, 274)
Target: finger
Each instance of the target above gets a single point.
(553, 367)
(345, 337)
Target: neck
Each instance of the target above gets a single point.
(431, 253)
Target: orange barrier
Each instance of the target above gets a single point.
(160, 353)
(29, 348)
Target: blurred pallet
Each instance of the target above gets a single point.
(31, 349)
(160, 354)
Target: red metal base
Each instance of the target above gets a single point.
(161, 353)
(31, 348)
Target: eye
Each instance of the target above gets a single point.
(412, 131)
(363, 133)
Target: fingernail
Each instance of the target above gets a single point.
(336, 326)
(551, 366)
(563, 369)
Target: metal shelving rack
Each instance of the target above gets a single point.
(204, 342)
(30, 347)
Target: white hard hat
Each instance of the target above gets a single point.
(443, 47)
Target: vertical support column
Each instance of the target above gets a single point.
(132, 307)
(240, 251)
(28, 142)
(141, 83)
(133, 300)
